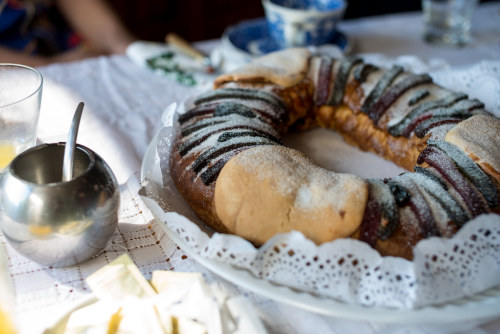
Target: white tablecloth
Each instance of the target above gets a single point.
(123, 106)
(395, 35)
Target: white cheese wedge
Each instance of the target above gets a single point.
(119, 279)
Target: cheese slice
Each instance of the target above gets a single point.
(119, 279)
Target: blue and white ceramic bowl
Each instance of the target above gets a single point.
(250, 39)
(303, 22)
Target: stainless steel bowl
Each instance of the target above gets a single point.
(53, 222)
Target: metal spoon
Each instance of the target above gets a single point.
(69, 149)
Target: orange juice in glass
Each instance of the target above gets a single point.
(7, 319)
(20, 98)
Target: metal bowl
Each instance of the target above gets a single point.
(58, 223)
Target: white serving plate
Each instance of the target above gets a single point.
(478, 308)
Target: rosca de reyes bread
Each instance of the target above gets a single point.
(229, 163)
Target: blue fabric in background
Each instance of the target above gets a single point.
(11, 23)
(34, 28)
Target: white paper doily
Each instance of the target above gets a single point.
(480, 307)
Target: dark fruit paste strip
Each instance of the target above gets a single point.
(191, 143)
(419, 96)
(346, 64)
(449, 171)
(229, 108)
(470, 170)
(389, 210)
(204, 159)
(362, 72)
(387, 78)
(370, 222)
(449, 100)
(436, 189)
(394, 92)
(324, 79)
(240, 93)
(424, 127)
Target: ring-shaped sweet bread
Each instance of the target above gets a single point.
(229, 164)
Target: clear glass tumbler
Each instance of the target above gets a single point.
(20, 98)
(448, 22)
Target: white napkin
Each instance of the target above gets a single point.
(167, 61)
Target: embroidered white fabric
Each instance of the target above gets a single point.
(348, 270)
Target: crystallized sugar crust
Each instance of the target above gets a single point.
(279, 184)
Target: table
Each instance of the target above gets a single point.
(123, 106)
(401, 34)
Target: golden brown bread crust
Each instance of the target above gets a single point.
(198, 196)
(357, 129)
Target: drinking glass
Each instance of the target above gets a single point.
(20, 98)
(448, 22)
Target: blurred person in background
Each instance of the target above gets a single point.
(40, 32)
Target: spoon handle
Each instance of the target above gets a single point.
(184, 46)
(69, 149)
